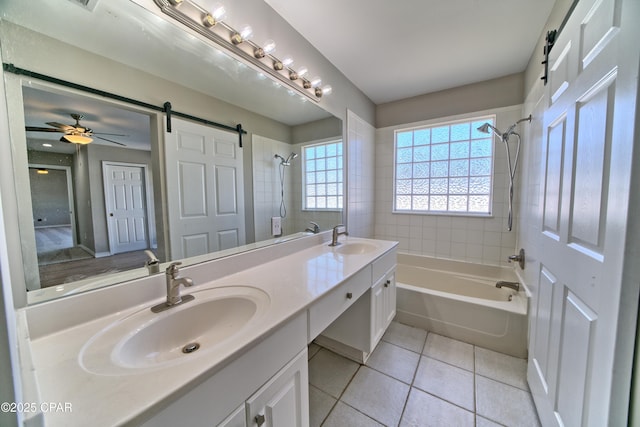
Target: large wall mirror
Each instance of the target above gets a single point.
(92, 213)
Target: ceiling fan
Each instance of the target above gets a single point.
(75, 134)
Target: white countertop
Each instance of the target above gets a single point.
(292, 283)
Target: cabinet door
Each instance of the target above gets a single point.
(236, 419)
(284, 400)
(378, 315)
(389, 298)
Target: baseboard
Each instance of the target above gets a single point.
(349, 352)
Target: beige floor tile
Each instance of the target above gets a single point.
(320, 404)
(445, 381)
(405, 336)
(448, 350)
(501, 367)
(394, 361)
(504, 404)
(345, 416)
(377, 395)
(330, 372)
(425, 410)
(312, 350)
(483, 422)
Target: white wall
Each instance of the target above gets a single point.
(360, 150)
(473, 239)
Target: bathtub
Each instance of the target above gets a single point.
(460, 300)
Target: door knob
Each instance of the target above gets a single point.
(349, 295)
(260, 419)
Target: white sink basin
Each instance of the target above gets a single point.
(356, 248)
(146, 340)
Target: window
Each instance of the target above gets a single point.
(322, 176)
(444, 168)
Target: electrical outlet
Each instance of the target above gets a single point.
(276, 226)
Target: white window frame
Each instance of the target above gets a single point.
(339, 183)
(491, 119)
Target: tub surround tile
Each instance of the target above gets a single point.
(501, 367)
(425, 410)
(377, 395)
(344, 415)
(445, 381)
(330, 372)
(449, 350)
(405, 336)
(320, 404)
(505, 404)
(394, 361)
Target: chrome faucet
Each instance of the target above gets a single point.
(512, 285)
(334, 236)
(173, 279)
(315, 229)
(152, 264)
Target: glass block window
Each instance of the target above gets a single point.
(444, 168)
(322, 187)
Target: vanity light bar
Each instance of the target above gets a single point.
(239, 44)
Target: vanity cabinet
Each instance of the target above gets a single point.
(270, 379)
(357, 331)
(282, 402)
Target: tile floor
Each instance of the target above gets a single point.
(415, 378)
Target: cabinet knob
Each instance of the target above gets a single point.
(387, 283)
(260, 419)
(349, 295)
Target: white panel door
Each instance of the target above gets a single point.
(205, 189)
(586, 169)
(125, 198)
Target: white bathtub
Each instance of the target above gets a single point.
(461, 301)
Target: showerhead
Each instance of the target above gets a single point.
(484, 128)
(287, 161)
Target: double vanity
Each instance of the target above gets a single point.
(234, 355)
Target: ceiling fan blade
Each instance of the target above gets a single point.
(39, 129)
(112, 134)
(109, 140)
(61, 126)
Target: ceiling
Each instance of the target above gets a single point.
(399, 49)
(389, 50)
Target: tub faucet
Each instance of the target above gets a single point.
(334, 236)
(513, 285)
(173, 280)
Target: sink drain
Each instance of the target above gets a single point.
(190, 348)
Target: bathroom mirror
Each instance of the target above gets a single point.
(277, 122)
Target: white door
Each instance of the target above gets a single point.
(205, 189)
(576, 339)
(125, 200)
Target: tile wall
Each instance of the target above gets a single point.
(473, 239)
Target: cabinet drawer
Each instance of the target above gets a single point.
(325, 311)
(382, 265)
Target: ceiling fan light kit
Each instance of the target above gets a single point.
(76, 139)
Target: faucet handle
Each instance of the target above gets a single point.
(173, 269)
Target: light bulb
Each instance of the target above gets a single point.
(302, 70)
(269, 47)
(326, 89)
(218, 12)
(315, 82)
(287, 61)
(246, 32)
